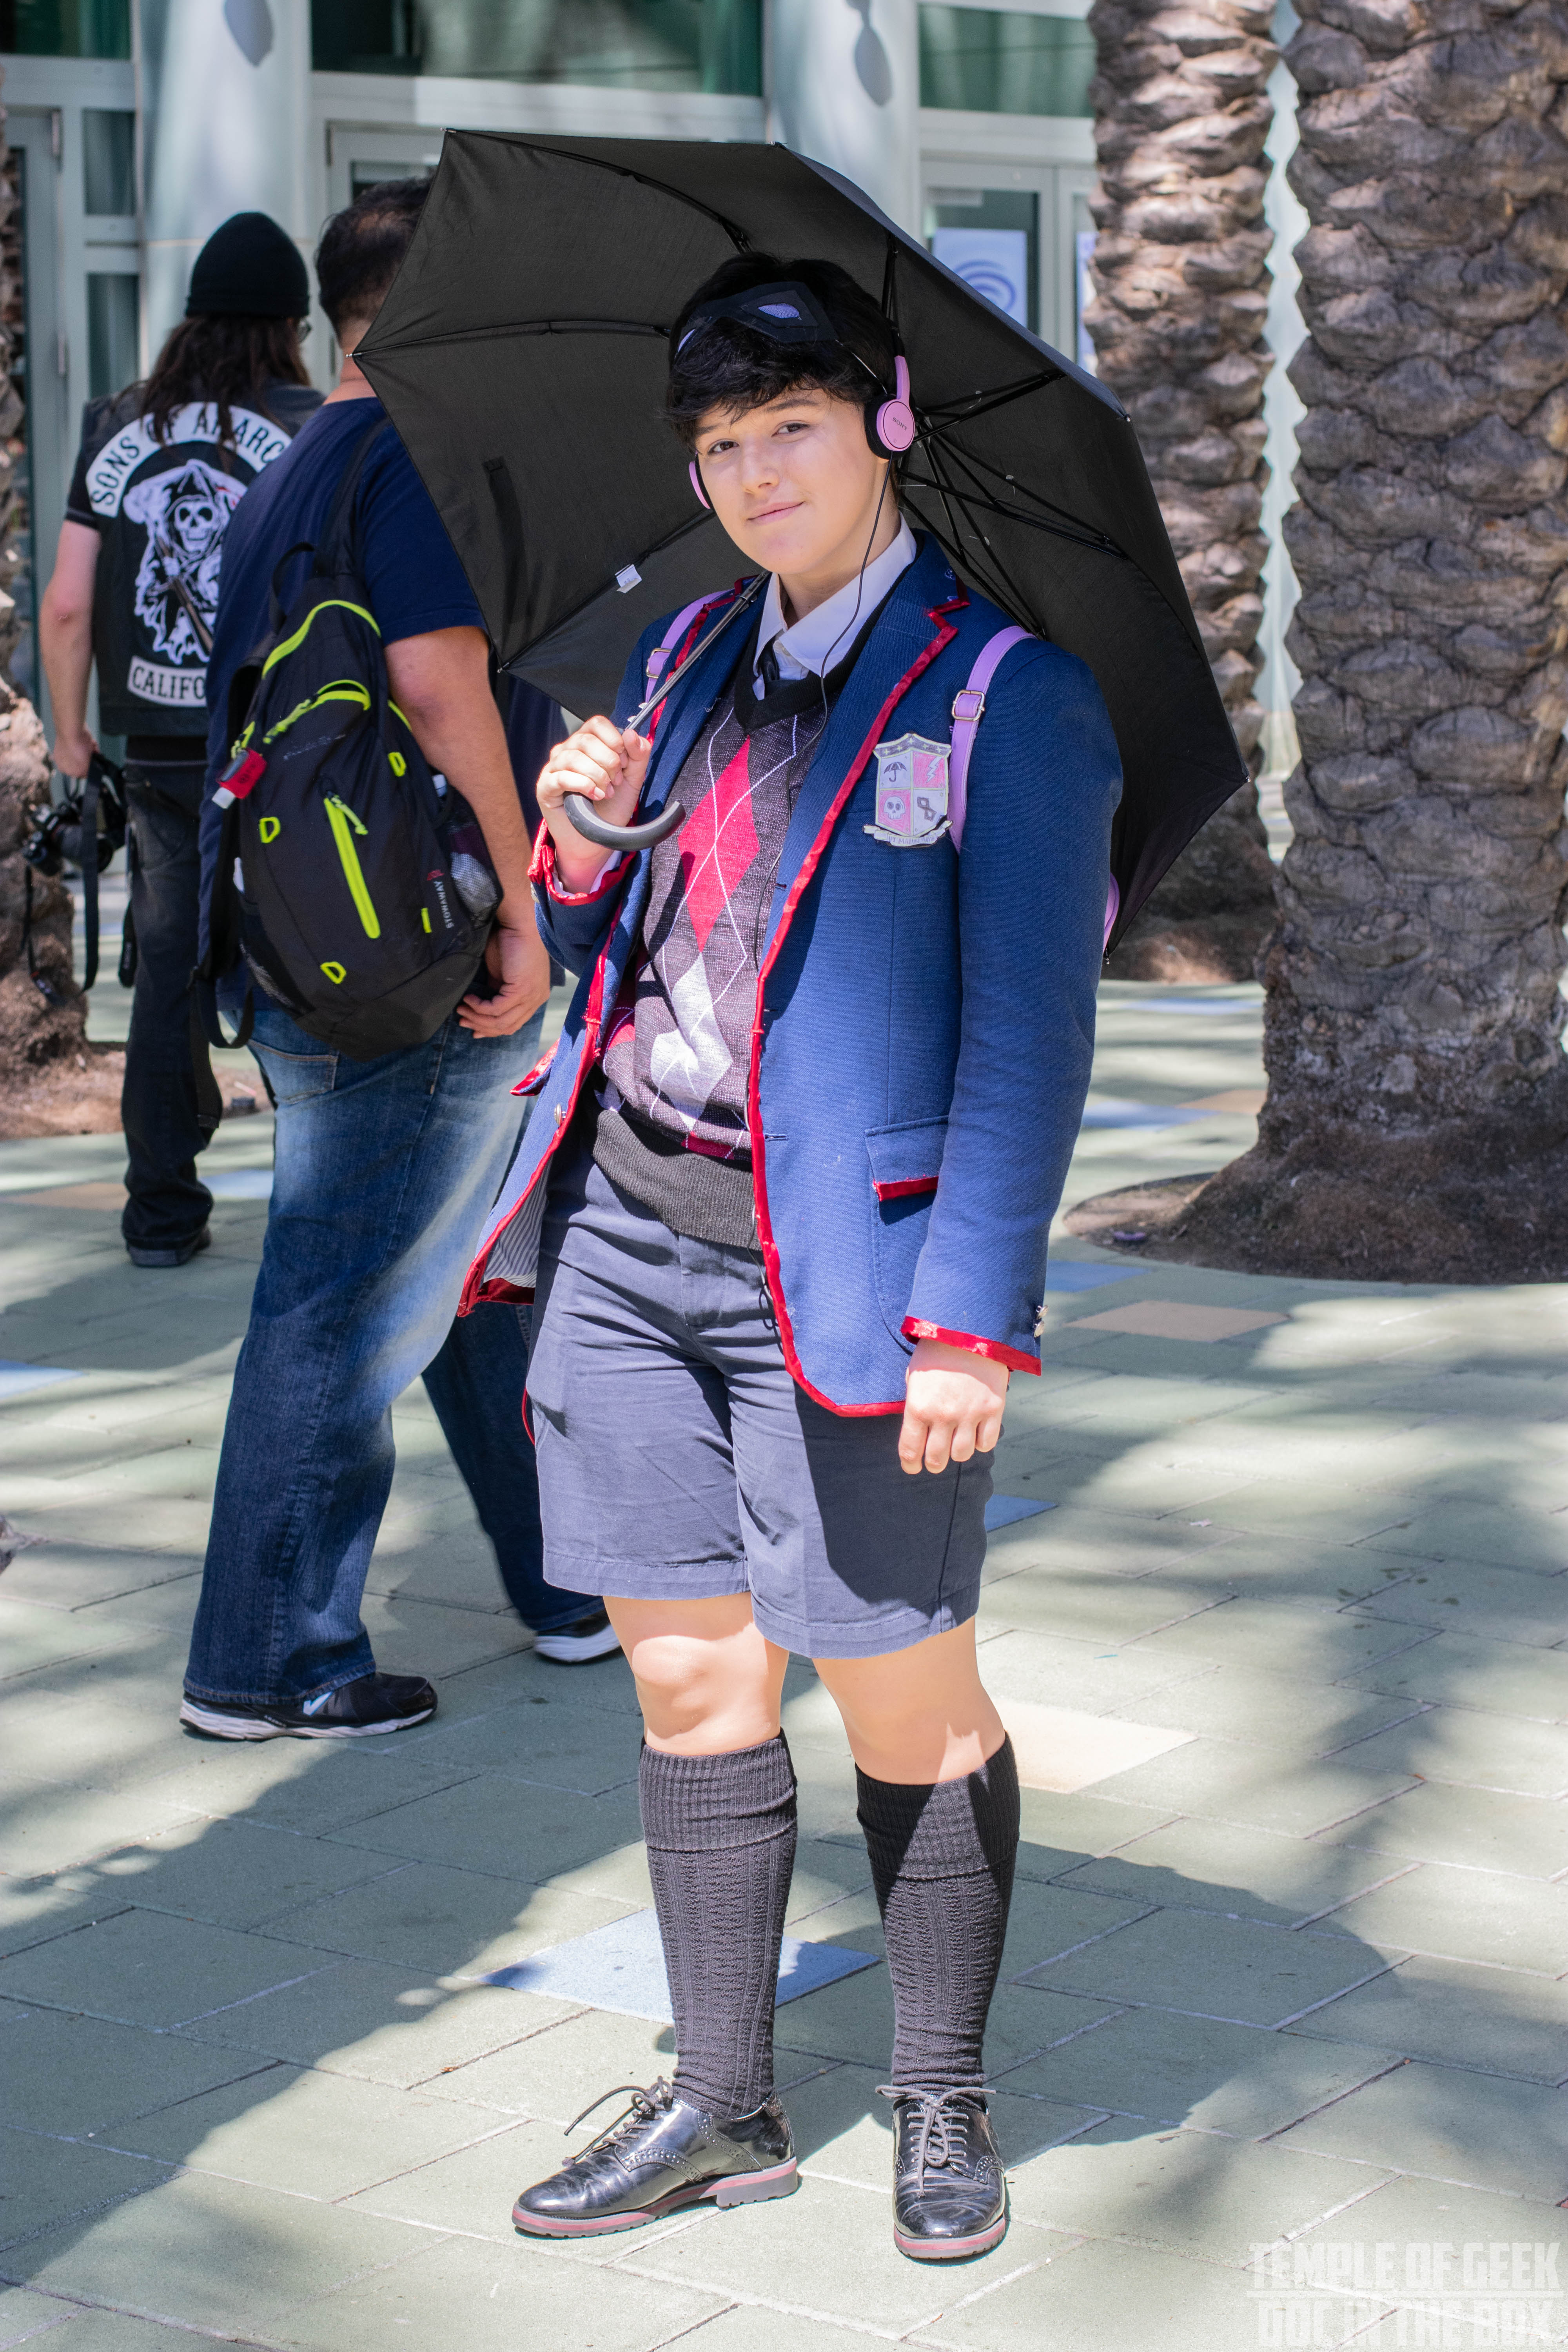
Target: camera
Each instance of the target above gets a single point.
(57, 840)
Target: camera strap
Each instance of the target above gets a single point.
(88, 821)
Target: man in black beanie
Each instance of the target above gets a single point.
(161, 470)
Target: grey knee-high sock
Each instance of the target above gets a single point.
(721, 1833)
(942, 1863)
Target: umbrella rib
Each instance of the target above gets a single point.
(986, 555)
(976, 464)
(987, 504)
(524, 327)
(982, 404)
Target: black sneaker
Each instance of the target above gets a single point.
(593, 1636)
(660, 2155)
(950, 2198)
(177, 1253)
(376, 1703)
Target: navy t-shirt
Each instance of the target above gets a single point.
(413, 579)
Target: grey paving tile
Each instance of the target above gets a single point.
(1480, 1751)
(751, 2327)
(418, 1914)
(1080, 2295)
(1058, 1831)
(1112, 1611)
(1485, 2130)
(1418, 2217)
(578, 1748)
(1240, 1969)
(1215, 1866)
(72, 1576)
(216, 2254)
(24, 2316)
(1505, 1604)
(1189, 2192)
(1326, 1643)
(116, 2331)
(1220, 1780)
(827, 2251)
(531, 1833)
(1465, 1915)
(1496, 1537)
(383, 2025)
(491, 2299)
(315, 2134)
(551, 2075)
(81, 2076)
(1282, 1711)
(1484, 1827)
(1056, 1671)
(1499, 2018)
(474, 2190)
(854, 2019)
(146, 1967)
(45, 2182)
(1466, 1670)
(236, 1874)
(413, 1636)
(46, 1828)
(1241, 2080)
(316, 1786)
(105, 1746)
(1044, 1921)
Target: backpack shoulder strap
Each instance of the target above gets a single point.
(658, 661)
(968, 710)
(337, 539)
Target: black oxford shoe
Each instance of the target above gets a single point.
(949, 2199)
(660, 2155)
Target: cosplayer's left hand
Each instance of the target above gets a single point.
(953, 1406)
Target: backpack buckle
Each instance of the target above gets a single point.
(967, 695)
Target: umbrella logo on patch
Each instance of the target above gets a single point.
(911, 793)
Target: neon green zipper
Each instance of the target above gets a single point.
(341, 818)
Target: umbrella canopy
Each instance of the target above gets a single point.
(522, 356)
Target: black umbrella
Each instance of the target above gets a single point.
(522, 355)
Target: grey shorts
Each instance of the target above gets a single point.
(678, 1460)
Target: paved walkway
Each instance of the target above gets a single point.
(1287, 1665)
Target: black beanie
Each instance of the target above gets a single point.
(248, 267)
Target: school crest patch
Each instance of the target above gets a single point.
(911, 793)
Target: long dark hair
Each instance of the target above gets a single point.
(225, 359)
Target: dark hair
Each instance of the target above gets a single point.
(730, 367)
(363, 247)
(228, 359)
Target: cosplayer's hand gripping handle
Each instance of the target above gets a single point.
(605, 835)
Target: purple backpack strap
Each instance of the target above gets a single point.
(968, 710)
(674, 634)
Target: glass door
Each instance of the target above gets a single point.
(1015, 234)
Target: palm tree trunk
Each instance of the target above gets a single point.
(1181, 291)
(51, 1082)
(1417, 1113)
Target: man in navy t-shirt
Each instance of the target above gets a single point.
(384, 1170)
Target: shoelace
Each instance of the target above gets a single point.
(943, 2139)
(645, 2104)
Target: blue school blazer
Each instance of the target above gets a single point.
(924, 1020)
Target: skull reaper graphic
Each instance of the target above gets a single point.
(185, 513)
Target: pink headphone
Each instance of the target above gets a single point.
(889, 426)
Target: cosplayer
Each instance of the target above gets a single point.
(785, 1200)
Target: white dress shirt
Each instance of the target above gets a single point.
(806, 648)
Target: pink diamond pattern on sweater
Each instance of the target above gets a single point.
(717, 845)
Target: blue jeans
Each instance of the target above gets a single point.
(386, 1172)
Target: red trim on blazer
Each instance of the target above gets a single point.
(537, 1075)
(477, 1289)
(904, 1189)
(809, 864)
(915, 1327)
(542, 874)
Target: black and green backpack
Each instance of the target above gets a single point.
(352, 883)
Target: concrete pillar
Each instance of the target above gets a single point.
(843, 87)
(225, 110)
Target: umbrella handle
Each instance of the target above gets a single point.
(604, 836)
